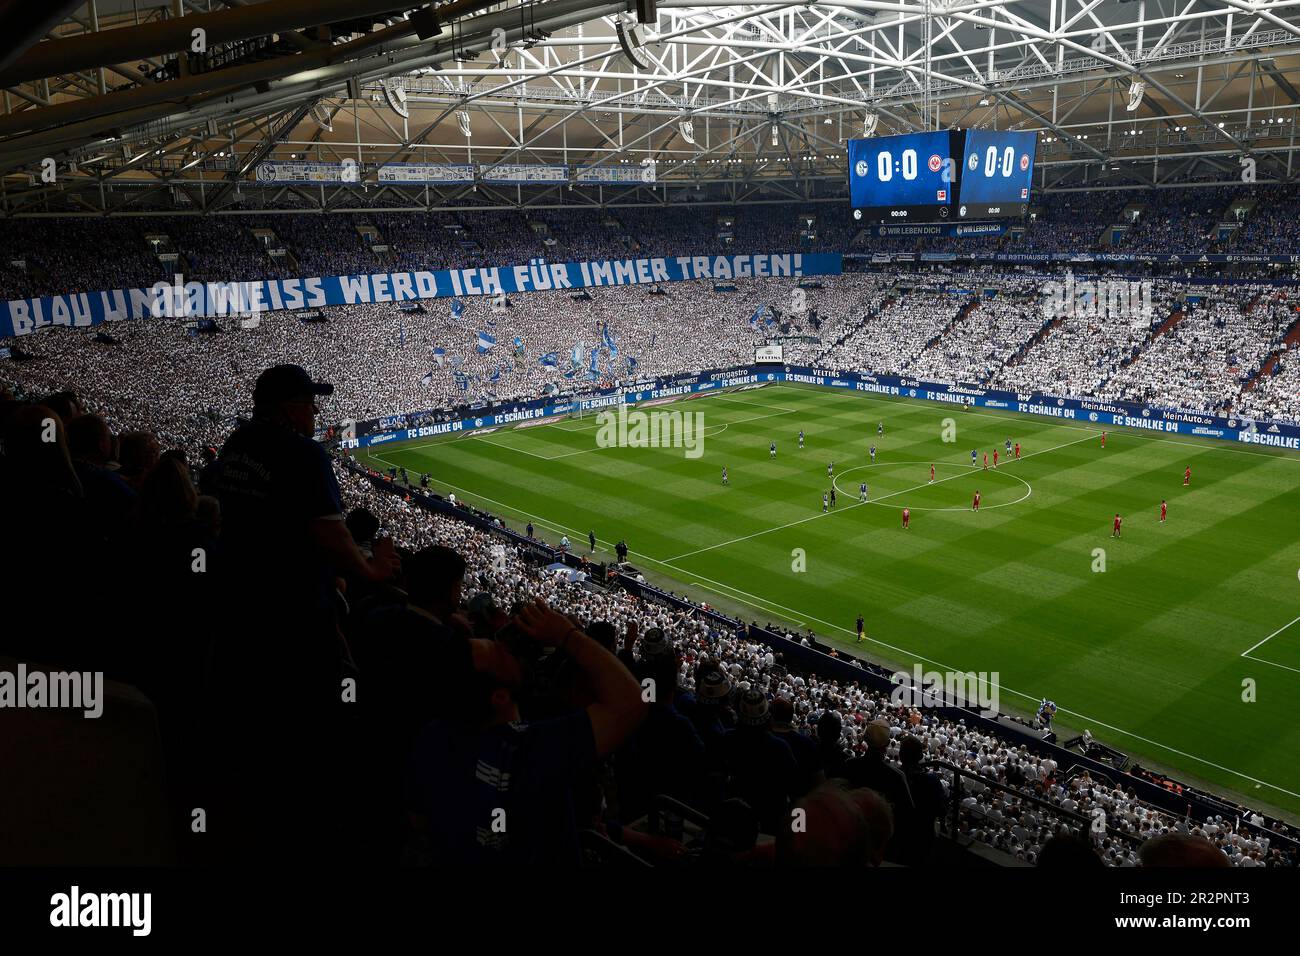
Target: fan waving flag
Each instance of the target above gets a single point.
(609, 339)
(551, 359)
(486, 342)
(575, 357)
(439, 356)
(426, 379)
(457, 308)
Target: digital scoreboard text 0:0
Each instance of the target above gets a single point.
(946, 176)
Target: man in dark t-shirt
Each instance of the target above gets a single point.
(276, 637)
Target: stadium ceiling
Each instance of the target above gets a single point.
(142, 106)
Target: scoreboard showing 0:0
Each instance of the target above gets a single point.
(885, 164)
(907, 178)
(998, 174)
(932, 177)
(991, 161)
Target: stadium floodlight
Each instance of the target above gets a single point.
(870, 121)
(395, 94)
(321, 114)
(462, 117)
(687, 128)
(1135, 92)
(632, 39)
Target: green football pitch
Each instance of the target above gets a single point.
(1178, 643)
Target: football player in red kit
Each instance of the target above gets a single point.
(975, 505)
(1017, 451)
(932, 472)
(1187, 476)
(1164, 510)
(995, 457)
(1103, 439)
(986, 461)
(907, 517)
(1115, 530)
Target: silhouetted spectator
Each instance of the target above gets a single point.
(493, 788)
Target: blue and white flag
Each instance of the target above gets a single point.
(575, 357)
(595, 355)
(631, 363)
(439, 356)
(496, 374)
(551, 359)
(609, 339)
(457, 309)
(519, 345)
(570, 373)
(462, 380)
(485, 342)
(426, 378)
(457, 361)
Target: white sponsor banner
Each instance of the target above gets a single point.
(769, 353)
(616, 174)
(426, 173)
(300, 172)
(521, 173)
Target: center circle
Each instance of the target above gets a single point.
(835, 483)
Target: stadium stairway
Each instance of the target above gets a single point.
(1019, 355)
(1290, 340)
(962, 313)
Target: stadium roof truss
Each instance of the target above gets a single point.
(139, 106)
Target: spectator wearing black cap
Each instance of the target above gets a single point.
(281, 513)
(278, 641)
(760, 768)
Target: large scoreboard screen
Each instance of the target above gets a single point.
(997, 174)
(941, 176)
(906, 178)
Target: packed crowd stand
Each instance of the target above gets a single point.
(319, 574)
(148, 465)
(54, 251)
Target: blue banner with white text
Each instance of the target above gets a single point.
(178, 299)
